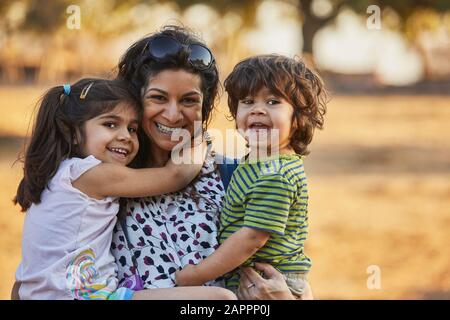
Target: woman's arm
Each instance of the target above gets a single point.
(272, 287)
(107, 179)
(240, 246)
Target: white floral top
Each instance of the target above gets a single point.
(165, 233)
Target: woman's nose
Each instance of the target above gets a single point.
(172, 113)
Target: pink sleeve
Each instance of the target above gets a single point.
(80, 166)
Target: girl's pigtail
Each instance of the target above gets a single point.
(58, 132)
(51, 142)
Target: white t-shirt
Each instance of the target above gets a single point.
(66, 240)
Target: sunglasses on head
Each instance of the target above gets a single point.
(162, 46)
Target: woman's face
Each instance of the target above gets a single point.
(172, 100)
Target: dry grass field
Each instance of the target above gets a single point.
(379, 181)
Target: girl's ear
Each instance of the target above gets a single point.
(76, 138)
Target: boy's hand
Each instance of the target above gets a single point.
(188, 276)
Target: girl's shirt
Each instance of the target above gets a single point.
(66, 240)
(159, 235)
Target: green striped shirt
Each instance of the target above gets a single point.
(270, 195)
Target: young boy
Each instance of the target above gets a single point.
(277, 103)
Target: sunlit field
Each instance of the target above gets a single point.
(379, 181)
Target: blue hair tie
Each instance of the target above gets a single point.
(66, 89)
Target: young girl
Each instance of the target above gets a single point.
(277, 103)
(75, 169)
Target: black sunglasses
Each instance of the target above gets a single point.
(162, 46)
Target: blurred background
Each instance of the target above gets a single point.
(379, 173)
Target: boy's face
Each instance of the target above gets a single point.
(265, 121)
(112, 137)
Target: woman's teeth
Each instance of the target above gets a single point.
(166, 130)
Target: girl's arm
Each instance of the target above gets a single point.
(240, 246)
(15, 291)
(107, 179)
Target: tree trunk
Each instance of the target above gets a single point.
(312, 24)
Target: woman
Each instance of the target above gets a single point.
(177, 79)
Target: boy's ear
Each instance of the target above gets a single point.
(294, 123)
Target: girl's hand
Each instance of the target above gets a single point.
(187, 162)
(254, 287)
(187, 276)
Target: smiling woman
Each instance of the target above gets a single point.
(177, 78)
(172, 101)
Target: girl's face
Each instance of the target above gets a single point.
(172, 100)
(258, 116)
(112, 137)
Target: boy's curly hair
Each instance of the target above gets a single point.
(287, 78)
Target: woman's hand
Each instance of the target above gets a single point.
(273, 287)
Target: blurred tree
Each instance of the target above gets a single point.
(106, 17)
(39, 18)
(316, 14)
(414, 18)
(246, 9)
(313, 21)
(46, 18)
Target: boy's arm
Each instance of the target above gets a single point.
(113, 180)
(240, 246)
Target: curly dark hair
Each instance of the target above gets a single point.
(288, 78)
(137, 67)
